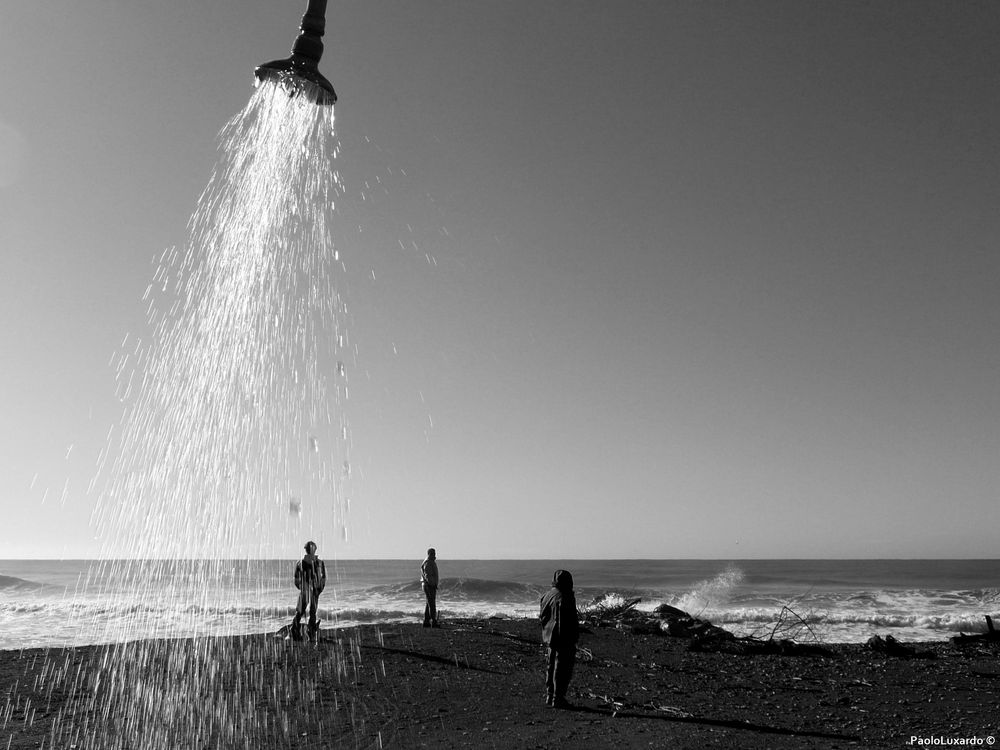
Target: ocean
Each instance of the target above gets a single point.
(57, 603)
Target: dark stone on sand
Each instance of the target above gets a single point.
(891, 647)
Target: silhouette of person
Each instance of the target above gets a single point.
(560, 631)
(310, 580)
(429, 583)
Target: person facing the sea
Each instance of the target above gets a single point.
(310, 580)
(560, 631)
(429, 583)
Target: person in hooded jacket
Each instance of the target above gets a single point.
(310, 580)
(429, 583)
(560, 631)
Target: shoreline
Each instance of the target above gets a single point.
(844, 601)
(410, 618)
(479, 683)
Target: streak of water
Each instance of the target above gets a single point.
(234, 444)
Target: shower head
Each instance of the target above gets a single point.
(300, 72)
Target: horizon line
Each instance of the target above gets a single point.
(510, 559)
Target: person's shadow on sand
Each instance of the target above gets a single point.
(454, 662)
(726, 723)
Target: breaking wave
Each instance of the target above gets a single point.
(12, 583)
(464, 589)
(711, 593)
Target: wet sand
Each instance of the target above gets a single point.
(479, 684)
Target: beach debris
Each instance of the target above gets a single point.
(892, 647)
(750, 646)
(680, 624)
(708, 637)
(992, 635)
(680, 713)
(985, 669)
(620, 611)
(610, 607)
(791, 626)
(618, 705)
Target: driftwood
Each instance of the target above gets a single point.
(682, 625)
(611, 607)
(708, 637)
(992, 635)
(891, 647)
(702, 634)
(749, 646)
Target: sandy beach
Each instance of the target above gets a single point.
(479, 683)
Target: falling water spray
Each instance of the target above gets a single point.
(233, 446)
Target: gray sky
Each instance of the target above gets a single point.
(702, 279)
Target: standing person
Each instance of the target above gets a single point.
(310, 580)
(429, 583)
(560, 631)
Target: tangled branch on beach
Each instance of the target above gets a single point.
(790, 626)
(610, 607)
(619, 705)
